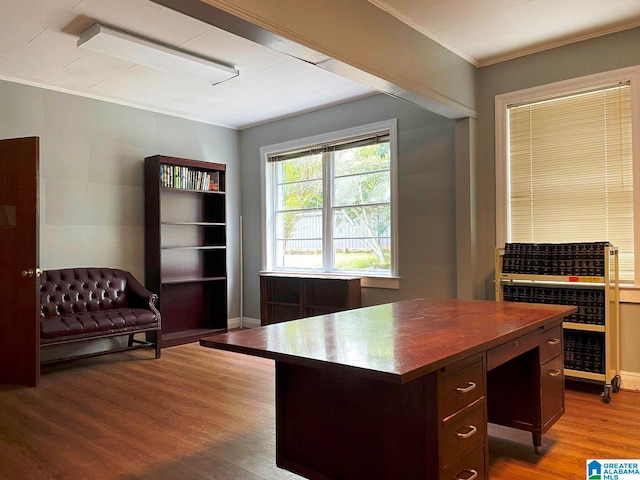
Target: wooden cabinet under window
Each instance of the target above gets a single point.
(286, 297)
(185, 246)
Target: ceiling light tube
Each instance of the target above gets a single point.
(126, 46)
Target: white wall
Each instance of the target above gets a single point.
(596, 55)
(426, 184)
(91, 175)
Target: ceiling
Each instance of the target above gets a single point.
(38, 46)
(491, 31)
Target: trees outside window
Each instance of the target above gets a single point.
(331, 206)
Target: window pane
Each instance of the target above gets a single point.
(376, 259)
(362, 189)
(361, 238)
(299, 183)
(371, 158)
(303, 168)
(299, 239)
(298, 227)
(362, 234)
(333, 196)
(298, 254)
(300, 195)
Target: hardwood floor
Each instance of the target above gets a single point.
(589, 429)
(199, 413)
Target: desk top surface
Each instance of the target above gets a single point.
(395, 342)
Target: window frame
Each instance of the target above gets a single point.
(382, 280)
(566, 87)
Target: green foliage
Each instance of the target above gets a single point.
(371, 158)
(361, 185)
(363, 179)
(362, 261)
(302, 178)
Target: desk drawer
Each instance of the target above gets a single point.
(551, 344)
(462, 433)
(552, 383)
(460, 388)
(470, 467)
(505, 352)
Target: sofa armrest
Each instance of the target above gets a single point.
(139, 297)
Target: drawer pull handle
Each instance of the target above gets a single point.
(468, 475)
(553, 341)
(466, 387)
(471, 430)
(554, 372)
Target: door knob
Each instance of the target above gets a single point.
(31, 272)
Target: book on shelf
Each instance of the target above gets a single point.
(582, 259)
(590, 302)
(184, 178)
(213, 181)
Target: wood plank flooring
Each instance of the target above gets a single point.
(199, 413)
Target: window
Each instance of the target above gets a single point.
(565, 171)
(329, 203)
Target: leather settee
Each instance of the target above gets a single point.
(82, 304)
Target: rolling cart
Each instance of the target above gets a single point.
(580, 274)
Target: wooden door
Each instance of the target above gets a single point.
(19, 304)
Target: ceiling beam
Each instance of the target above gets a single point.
(378, 50)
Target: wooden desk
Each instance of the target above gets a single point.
(405, 390)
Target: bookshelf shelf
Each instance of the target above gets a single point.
(200, 224)
(574, 279)
(187, 190)
(196, 247)
(173, 281)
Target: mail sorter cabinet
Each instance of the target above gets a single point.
(286, 297)
(580, 274)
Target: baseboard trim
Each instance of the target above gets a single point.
(250, 322)
(245, 323)
(630, 381)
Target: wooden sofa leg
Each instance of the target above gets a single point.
(130, 344)
(155, 338)
(158, 343)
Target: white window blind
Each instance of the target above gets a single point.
(570, 171)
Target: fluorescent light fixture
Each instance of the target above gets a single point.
(126, 46)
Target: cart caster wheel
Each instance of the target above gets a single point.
(615, 384)
(606, 395)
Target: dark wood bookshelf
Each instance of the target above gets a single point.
(185, 247)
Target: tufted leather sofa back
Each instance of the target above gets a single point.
(80, 290)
